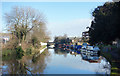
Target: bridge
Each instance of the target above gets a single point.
(50, 44)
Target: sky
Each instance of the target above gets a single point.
(69, 18)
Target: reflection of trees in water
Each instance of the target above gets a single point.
(39, 65)
(61, 51)
(14, 67)
(25, 65)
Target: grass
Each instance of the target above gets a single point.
(114, 73)
(42, 47)
(8, 54)
(32, 50)
(114, 68)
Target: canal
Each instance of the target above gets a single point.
(55, 61)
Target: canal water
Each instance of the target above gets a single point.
(55, 61)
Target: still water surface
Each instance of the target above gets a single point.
(55, 61)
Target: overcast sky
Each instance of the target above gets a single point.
(69, 18)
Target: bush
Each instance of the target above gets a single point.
(29, 51)
(35, 42)
(19, 52)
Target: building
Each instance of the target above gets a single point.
(5, 37)
(76, 40)
(85, 36)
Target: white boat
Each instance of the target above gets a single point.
(83, 49)
(91, 49)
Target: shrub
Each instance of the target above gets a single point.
(35, 42)
(19, 52)
(29, 51)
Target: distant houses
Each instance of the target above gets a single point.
(85, 36)
(5, 37)
(77, 40)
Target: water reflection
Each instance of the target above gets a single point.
(25, 65)
(57, 61)
(67, 61)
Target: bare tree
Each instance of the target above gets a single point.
(40, 33)
(22, 20)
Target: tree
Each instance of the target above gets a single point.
(20, 21)
(62, 40)
(106, 26)
(40, 33)
(34, 41)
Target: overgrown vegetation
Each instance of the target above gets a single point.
(105, 27)
(19, 52)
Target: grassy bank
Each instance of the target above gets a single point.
(112, 57)
(16, 53)
(7, 52)
(42, 47)
(32, 50)
(8, 55)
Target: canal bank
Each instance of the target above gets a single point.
(43, 49)
(113, 57)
